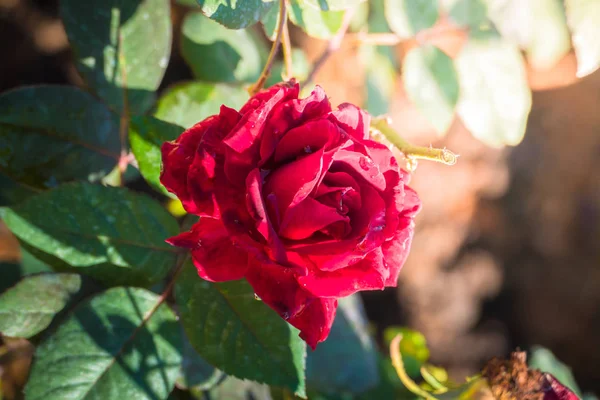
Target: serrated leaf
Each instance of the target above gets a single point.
(538, 26)
(54, 134)
(431, 83)
(120, 344)
(495, 98)
(217, 54)
(189, 103)
(236, 14)
(110, 41)
(315, 22)
(239, 334)
(543, 359)
(146, 136)
(24, 315)
(195, 372)
(408, 17)
(237, 389)
(332, 5)
(111, 234)
(583, 17)
(347, 361)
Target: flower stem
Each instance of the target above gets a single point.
(282, 24)
(399, 367)
(286, 46)
(410, 151)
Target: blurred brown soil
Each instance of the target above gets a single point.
(506, 252)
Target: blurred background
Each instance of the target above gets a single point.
(506, 252)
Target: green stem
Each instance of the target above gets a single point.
(410, 151)
(401, 372)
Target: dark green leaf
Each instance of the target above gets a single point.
(239, 334)
(347, 361)
(28, 308)
(120, 344)
(316, 23)
(111, 234)
(431, 83)
(543, 359)
(218, 54)
(495, 98)
(13, 192)
(188, 103)
(237, 389)
(195, 372)
(121, 48)
(539, 27)
(409, 17)
(54, 134)
(583, 17)
(146, 135)
(13, 271)
(332, 5)
(236, 14)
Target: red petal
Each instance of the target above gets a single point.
(200, 185)
(305, 139)
(353, 120)
(308, 217)
(367, 274)
(213, 253)
(395, 251)
(359, 165)
(555, 390)
(315, 321)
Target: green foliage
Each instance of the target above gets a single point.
(111, 234)
(431, 82)
(237, 389)
(146, 135)
(195, 372)
(110, 41)
(24, 315)
(236, 14)
(332, 5)
(543, 359)
(54, 134)
(187, 103)
(583, 17)
(300, 66)
(239, 334)
(218, 54)
(495, 99)
(121, 343)
(314, 21)
(472, 14)
(409, 17)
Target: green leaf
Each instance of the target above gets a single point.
(347, 361)
(360, 18)
(583, 17)
(413, 348)
(539, 27)
(188, 3)
(146, 135)
(13, 192)
(381, 81)
(300, 66)
(316, 23)
(270, 22)
(468, 13)
(218, 54)
(188, 103)
(54, 134)
(237, 389)
(13, 271)
(111, 234)
(122, 343)
(332, 5)
(24, 315)
(431, 83)
(236, 14)
(495, 98)
(121, 48)
(543, 359)
(409, 17)
(239, 334)
(195, 372)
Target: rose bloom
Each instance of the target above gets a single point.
(295, 198)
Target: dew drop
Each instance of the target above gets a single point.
(256, 297)
(363, 163)
(307, 150)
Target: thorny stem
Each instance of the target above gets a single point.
(333, 45)
(271, 59)
(412, 152)
(399, 367)
(287, 53)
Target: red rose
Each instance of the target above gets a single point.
(294, 197)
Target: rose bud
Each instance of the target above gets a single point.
(295, 198)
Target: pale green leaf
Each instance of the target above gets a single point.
(408, 17)
(236, 14)
(316, 23)
(583, 17)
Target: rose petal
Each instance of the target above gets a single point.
(396, 250)
(305, 139)
(213, 253)
(359, 166)
(353, 120)
(368, 274)
(200, 186)
(308, 217)
(315, 321)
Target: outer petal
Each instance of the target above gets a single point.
(353, 120)
(368, 274)
(213, 253)
(395, 251)
(315, 321)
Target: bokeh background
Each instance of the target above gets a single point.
(507, 249)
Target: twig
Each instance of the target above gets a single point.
(422, 37)
(271, 59)
(399, 367)
(334, 44)
(287, 53)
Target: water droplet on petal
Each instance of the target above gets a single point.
(307, 150)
